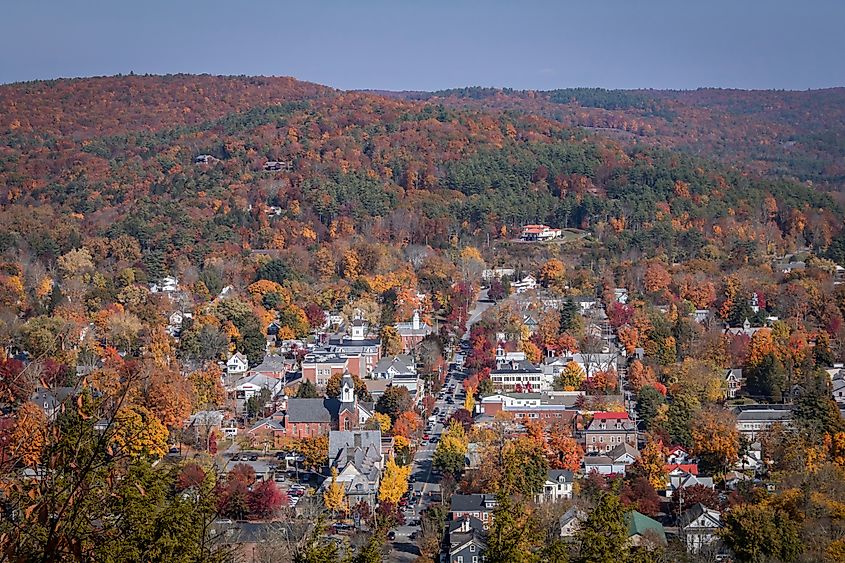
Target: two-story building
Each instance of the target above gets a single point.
(318, 366)
(607, 430)
(479, 506)
(558, 486)
(753, 419)
(518, 376)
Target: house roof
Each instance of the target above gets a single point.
(597, 460)
(639, 524)
(271, 364)
(691, 468)
(559, 475)
(312, 410)
(763, 412)
(694, 512)
(621, 450)
(402, 363)
(472, 503)
(474, 523)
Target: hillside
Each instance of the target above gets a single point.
(800, 134)
(106, 157)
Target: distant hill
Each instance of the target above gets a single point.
(115, 156)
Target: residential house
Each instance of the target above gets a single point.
(167, 284)
(395, 366)
(175, 321)
(357, 456)
(479, 506)
(682, 480)
(570, 522)
(620, 294)
(252, 384)
(467, 540)
(733, 479)
(497, 274)
(838, 389)
(558, 486)
(52, 399)
(273, 366)
(539, 233)
(753, 419)
(237, 364)
(531, 322)
(752, 459)
(699, 528)
(413, 332)
(677, 454)
(746, 329)
(527, 283)
(609, 429)
(585, 302)
(644, 531)
(734, 381)
(614, 462)
(318, 366)
(517, 376)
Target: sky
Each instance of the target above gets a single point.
(434, 44)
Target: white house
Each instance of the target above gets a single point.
(699, 527)
(167, 284)
(237, 364)
(251, 385)
(733, 378)
(528, 283)
(558, 486)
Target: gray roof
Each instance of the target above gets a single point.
(559, 475)
(271, 364)
(354, 446)
(763, 412)
(312, 410)
(516, 366)
(472, 503)
(694, 512)
(403, 364)
(622, 449)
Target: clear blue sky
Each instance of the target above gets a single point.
(432, 44)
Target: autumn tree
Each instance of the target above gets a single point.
(757, 532)
(334, 497)
(391, 341)
(571, 378)
(715, 438)
(603, 536)
(394, 482)
(265, 499)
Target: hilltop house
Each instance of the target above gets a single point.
(237, 364)
(517, 376)
(318, 366)
(539, 233)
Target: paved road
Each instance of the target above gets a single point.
(403, 548)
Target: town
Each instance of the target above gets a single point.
(252, 319)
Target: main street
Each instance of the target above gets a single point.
(403, 547)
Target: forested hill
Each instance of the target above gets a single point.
(107, 159)
(796, 133)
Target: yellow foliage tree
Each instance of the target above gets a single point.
(334, 497)
(138, 432)
(394, 482)
(29, 435)
(716, 438)
(382, 420)
(469, 402)
(651, 464)
(351, 264)
(571, 377)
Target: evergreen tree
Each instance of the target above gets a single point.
(603, 537)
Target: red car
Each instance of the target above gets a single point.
(426, 436)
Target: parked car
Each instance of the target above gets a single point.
(236, 457)
(391, 535)
(253, 457)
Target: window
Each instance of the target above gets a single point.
(460, 559)
(472, 548)
(474, 558)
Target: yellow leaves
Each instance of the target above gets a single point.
(138, 432)
(651, 464)
(383, 421)
(572, 376)
(394, 482)
(29, 435)
(44, 288)
(532, 353)
(715, 435)
(682, 189)
(469, 401)
(334, 497)
(350, 264)
(656, 277)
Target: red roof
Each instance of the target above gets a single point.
(607, 415)
(691, 468)
(674, 449)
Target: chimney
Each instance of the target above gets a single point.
(465, 524)
(416, 321)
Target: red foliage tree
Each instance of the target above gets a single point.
(265, 499)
